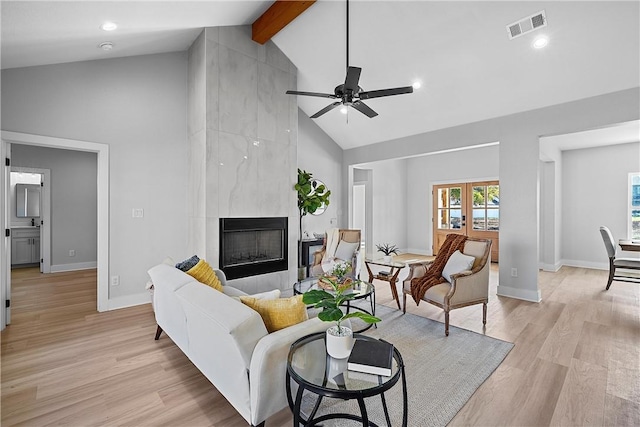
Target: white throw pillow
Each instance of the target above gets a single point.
(457, 263)
(346, 250)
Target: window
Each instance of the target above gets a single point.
(634, 205)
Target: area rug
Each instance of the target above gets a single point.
(442, 372)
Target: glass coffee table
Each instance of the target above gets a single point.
(314, 371)
(362, 290)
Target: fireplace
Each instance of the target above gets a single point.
(252, 246)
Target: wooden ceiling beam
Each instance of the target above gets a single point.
(278, 16)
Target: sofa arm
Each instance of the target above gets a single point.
(267, 373)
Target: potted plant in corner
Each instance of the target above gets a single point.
(312, 195)
(387, 249)
(339, 337)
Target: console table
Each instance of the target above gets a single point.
(391, 276)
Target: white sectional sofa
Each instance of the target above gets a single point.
(226, 340)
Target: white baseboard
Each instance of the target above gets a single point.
(550, 267)
(58, 268)
(129, 301)
(517, 293)
(586, 264)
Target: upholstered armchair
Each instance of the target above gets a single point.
(341, 244)
(466, 288)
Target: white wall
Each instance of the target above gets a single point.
(518, 135)
(423, 172)
(137, 106)
(389, 193)
(319, 155)
(73, 201)
(595, 188)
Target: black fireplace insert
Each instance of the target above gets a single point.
(252, 246)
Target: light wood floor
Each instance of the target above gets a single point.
(576, 359)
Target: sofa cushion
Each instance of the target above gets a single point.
(456, 263)
(203, 273)
(188, 263)
(278, 313)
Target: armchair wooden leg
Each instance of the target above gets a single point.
(446, 323)
(404, 303)
(484, 313)
(158, 332)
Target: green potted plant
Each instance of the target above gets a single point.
(387, 249)
(312, 195)
(339, 337)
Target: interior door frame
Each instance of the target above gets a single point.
(102, 185)
(5, 248)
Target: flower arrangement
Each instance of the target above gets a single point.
(341, 269)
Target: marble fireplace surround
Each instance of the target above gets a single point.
(242, 143)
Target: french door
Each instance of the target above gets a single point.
(470, 208)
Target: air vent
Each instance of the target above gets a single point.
(526, 25)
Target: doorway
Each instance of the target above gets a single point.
(102, 181)
(34, 247)
(470, 208)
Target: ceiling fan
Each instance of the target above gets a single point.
(349, 93)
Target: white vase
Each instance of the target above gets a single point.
(386, 258)
(339, 345)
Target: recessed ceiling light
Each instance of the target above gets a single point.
(109, 26)
(540, 42)
(416, 85)
(106, 46)
(343, 110)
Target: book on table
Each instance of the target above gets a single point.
(372, 357)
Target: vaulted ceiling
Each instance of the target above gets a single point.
(460, 52)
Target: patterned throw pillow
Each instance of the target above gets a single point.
(188, 264)
(203, 273)
(278, 313)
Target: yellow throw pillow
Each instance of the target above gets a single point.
(278, 313)
(203, 273)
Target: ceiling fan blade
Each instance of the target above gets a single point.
(320, 95)
(352, 79)
(386, 92)
(326, 109)
(364, 109)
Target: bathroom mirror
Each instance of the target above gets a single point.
(28, 200)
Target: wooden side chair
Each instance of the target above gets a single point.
(618, 263)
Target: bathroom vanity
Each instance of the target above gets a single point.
(25, 246)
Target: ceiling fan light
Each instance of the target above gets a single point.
(343, 109)
(416, 85)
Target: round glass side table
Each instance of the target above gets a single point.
(314, 371)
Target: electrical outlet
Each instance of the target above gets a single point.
(514, 272)
(137, 213)
(115, 280)
(72, 252)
